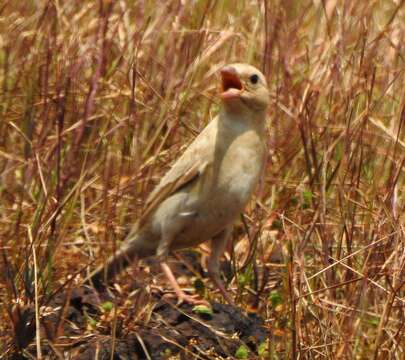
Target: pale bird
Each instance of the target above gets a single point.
(207, 188)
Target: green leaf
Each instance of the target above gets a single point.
(263, 349)
(166, 353)
(92, 322)
(338, 151)
(107, 306)
(242, 352)
(275, 298)
(246, 277)
(307, 197)
(202, 309)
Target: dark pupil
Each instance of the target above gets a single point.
(254, 79)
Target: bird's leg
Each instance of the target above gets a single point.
(181, 295)
(163, 252)
(218, 244)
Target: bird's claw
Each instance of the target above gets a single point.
(183, 298)
(191, 299)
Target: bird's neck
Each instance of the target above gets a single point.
(245, 120)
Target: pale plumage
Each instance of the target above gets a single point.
(208, 186)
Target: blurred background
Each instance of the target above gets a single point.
(97, 98)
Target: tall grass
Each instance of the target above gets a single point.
(99, 97)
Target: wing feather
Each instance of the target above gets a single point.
(187, 168)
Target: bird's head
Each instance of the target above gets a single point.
(244, 88)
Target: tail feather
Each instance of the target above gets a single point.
(104, 273)
(130, 250)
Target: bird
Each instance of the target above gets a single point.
(206, 189)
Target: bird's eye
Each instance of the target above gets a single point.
(254, 79)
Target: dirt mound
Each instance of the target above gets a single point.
(171, 332)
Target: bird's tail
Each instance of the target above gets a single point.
(130, 250)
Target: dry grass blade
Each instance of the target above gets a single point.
(98, 98)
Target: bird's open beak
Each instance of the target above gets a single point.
(231, 84)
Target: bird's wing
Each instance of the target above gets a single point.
(187, 168)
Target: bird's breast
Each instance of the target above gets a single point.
(217, 197)
(224, 191)
(241, 168)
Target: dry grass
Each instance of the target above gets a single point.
(98, 98)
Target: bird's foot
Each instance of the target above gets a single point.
(181, 295)
(191, 299)
(183, 298)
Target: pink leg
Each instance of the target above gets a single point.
(181, 295)
(218, 244)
